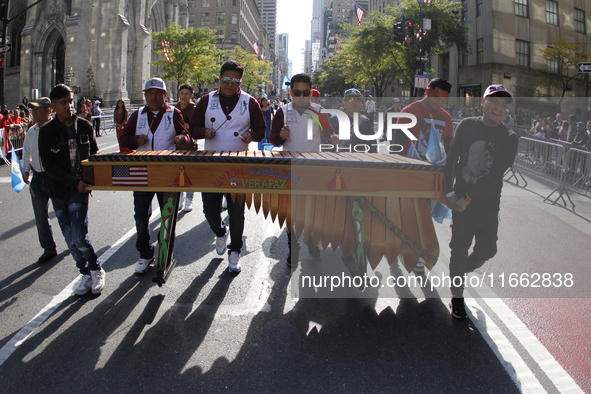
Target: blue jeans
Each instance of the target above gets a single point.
(212, 208)
(40, 198)
(142, 204)
(73, 220)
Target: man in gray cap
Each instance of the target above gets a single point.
(38, 187)
(480, 152)
(157, 126)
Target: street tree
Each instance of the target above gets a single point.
(188, 56)
(256, 72)
(562, 58)
(332, 80)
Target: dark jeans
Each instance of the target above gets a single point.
(40, 198)
(212, 208)
(96, 124)
(73, 220)
(142, 204)
(472, 224)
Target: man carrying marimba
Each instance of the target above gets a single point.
(157, 126)
(228, 119)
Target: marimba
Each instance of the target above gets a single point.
(371, 205)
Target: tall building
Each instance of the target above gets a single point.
(103, 47)
(268, 11)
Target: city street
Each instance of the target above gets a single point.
(206, 330)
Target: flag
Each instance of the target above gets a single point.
(285, 83)
(263, 55)
(130, 176)
(438, 210)
(412, 152)
(434, 151)
(166, 50)
(359, 12)
(17, 175)
(255, 46)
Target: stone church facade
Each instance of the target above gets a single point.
(106, 45)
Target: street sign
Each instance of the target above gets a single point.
(585, 67)
(69, 75)
(421, 81)
(5, 48)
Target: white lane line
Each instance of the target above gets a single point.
(25, 332)
(548, 364)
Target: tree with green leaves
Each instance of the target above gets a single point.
(562, 58)
(188, 56)
(256, 71)
(331, 80)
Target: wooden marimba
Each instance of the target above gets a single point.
(377, 201)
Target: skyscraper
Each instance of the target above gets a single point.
(268, 10)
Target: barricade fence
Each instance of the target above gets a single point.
(577, 177)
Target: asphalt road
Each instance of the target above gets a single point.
(208, 331)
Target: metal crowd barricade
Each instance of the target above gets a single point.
(577, 177)
(540, 159)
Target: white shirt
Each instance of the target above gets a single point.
(31, 150)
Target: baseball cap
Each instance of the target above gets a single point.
(315, 93)
(41, 102)
(97, 102)
(580, 124)
(497, 90)
(396, 100)
(155, 83)
(352, 92)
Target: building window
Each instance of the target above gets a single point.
(465, 10)
(521, 8)
(234, 3)
(205, 19)
(234, 18)
(221, 3)
(552, 12)
(465, 59)
(553, 66)
(220, 18)
(191, 19)
(522, 53)
(480, 51)
(234, 37)
(580, 26)
(479, 6)
(206, 3)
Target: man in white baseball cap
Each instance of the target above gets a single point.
(155, 83)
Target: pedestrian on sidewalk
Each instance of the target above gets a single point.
(480, 152)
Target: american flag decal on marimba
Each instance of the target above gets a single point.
(130, 176)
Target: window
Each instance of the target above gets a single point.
(522, 53)
(220, 18)
(221, 3)
(465, 59)
(553, 66)
(234, 36)
(580, 21)
(464, 10)
(206, 3)
(479, 6)
(234, 3)
(221, 35)
(552, 12)
(205, 19)
(521, 8)
(480, 51)
(234, 18)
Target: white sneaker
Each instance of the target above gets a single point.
(98, 280)
(420, 267)
(188, 205)
(234, 262)
(224, 203)
(220, 242)
(182, 200)
(142, 265)
(84, 285)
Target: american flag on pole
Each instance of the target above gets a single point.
(359, 12)
(255, 46)
(130, 176)
(166, 50)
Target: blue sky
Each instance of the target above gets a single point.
(294, 17)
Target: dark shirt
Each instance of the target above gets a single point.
(478, 157)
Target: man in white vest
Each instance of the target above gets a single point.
(228, 119)
(290, 130)
(157, 126)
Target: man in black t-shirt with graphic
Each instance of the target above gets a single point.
(482, 149)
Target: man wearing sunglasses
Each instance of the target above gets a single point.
(290, 130)
(228, 119)
(353, 102)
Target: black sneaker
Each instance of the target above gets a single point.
(458, 308)
(46, 257)
(313, 249)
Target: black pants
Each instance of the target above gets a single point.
(96, 123)
(212, 209)
(471, 225)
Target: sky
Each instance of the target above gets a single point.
(294, 17)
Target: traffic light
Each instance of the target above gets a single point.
(399, 32)
(410, 27)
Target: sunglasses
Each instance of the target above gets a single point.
(358, 99)
(298, 93)
(234, 81)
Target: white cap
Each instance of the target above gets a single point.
(97, 102)
(155, 83)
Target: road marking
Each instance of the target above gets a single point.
(20, 337)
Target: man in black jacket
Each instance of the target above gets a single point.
(63, 143)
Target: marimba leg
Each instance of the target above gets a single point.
(166, 262)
